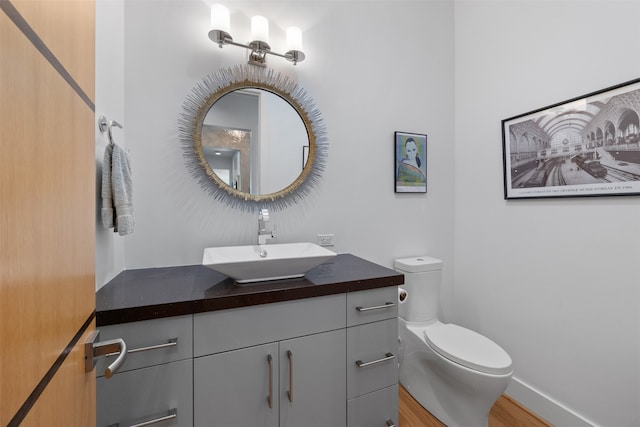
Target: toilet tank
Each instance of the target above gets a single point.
(422, 276)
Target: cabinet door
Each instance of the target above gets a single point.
(372, 361)
(372, 305)
(312, 380)
(377, 409)
(150, 342)
(233, 389)
(161, 392)
(265, 323)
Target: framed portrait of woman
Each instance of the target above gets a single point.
(410, 162)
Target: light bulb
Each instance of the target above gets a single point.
(294, 39)
(260, 29)
(220, 18)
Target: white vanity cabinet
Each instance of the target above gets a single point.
(372, 357)
(311, 361)
(154, 385)
(278, 364)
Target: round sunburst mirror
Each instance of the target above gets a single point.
(253, 138)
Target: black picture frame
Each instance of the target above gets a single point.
(410, 159)
(585, 146)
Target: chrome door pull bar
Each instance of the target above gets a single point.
(171, 343)
(376, 307)
(290, 392)
(388, 356)
(270, 398)
(391, 423)
(173, 413)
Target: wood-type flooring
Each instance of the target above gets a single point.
(505, 413)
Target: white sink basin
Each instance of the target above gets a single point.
(254, 263)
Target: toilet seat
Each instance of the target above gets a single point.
(468, 348)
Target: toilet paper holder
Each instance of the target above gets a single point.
(402, 295)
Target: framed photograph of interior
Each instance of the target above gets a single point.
(410, 162)
(586, 146)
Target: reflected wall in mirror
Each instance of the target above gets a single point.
(244, 131)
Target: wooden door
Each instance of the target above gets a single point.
(47, 211)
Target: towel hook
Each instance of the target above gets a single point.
(105, 125)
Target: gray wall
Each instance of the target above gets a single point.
(110, 103)
(363, 100)
(552, 281)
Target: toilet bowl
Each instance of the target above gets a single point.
(453, 372)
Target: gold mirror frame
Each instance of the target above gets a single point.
(218, 84)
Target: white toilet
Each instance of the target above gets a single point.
(453, 372)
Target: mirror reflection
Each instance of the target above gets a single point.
(254, 141)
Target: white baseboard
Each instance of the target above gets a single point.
(544, 406)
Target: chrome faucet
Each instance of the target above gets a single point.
(265, 233)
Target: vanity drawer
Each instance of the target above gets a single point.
(143, 395)
(150, 342)
(372, 357)
(379, 408)
(225, 330)
(372, 305)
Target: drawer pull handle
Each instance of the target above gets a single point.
(376, 307)
(388, 356)
(171, 343)
(270, 398)
(173, 413)
(391, 423)
(290, 392)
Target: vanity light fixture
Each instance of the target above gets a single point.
(259, 47)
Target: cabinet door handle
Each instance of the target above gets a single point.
(270, 398)
(377, 307)
(173, 413)
(290, 392)
(391, 423)
(173, 342)
(387, 357)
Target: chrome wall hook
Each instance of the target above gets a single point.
(105, 125)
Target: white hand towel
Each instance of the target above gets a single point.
(122, 189)
(107, 196)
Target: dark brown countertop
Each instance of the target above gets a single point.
(151, 293)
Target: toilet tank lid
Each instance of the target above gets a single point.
(418, 264)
